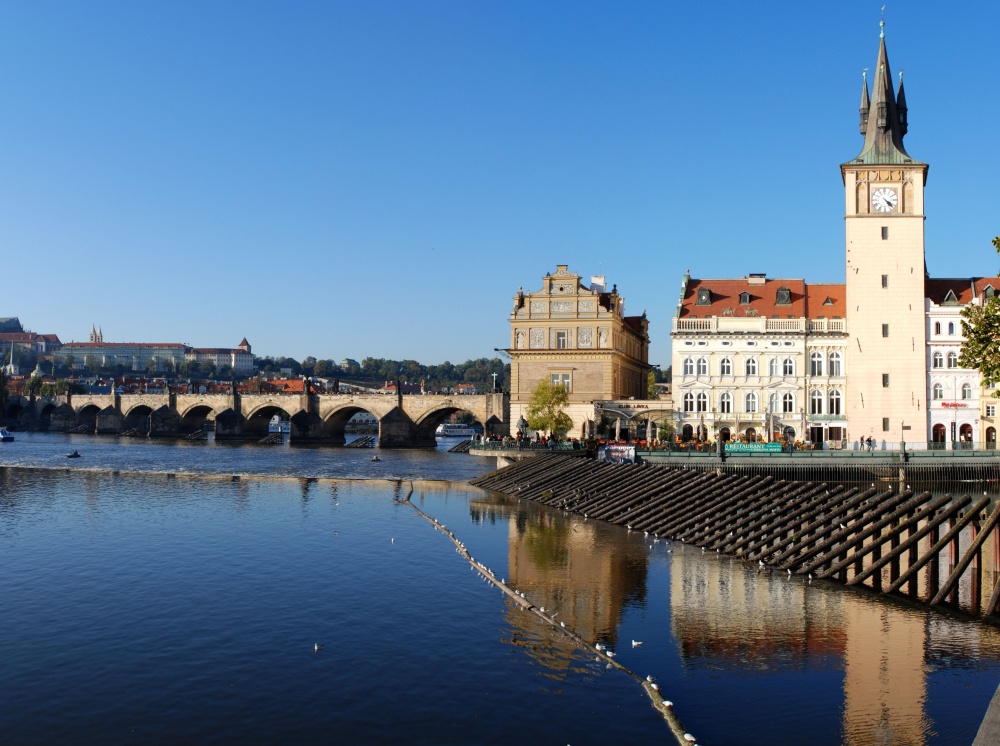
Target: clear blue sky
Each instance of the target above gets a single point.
(377, 178)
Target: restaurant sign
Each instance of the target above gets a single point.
(751, 447)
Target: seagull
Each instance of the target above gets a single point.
(599, 646)
(810, 577)
(650, 679)
(789, 571)
(655, 687)
(609, 653)
(562, 623)
(636, 643)
(689, 738)
(842, 526)
(543, 609)
(317, 647)
(667, 703)
(393, 539)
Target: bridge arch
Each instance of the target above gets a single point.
(429, 421)
(194, 418)
(336, 421)
(86, 417)
(138, 417)
(257, 421)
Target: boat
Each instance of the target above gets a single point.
(5, 436)
(454, 430)
(75, 454)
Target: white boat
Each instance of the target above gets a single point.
(452, 430)
(5, 437)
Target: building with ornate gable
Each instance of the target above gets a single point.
(577, 335)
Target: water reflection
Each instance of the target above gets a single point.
(726, 617)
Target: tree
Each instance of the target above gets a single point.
(981, 328)
(545, 408)
(652, 390)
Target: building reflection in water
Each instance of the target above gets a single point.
(725, 615)
(584, 571)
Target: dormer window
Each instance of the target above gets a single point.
(989, 292)
(744, 298)
(704, 297)
(784, 297)
(950, 299)
(828, 301)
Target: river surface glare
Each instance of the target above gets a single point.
(155, 592)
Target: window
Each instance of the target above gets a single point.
(834, 402)
(816, 364)
(991, 410)
(816, 402)
(951, 327)
(885, 232)
(702, 400)
(885, 424)
(937, 327)
(788, 367)
(885, 380)
(772, 367)
(784, 297)
(788, 403)
(772, 403)
(938, 391)
(726, 403)
(744, 298)
(952, 359)
(835, 364)
(966, 390)
(560, 340)
(702, 366)
(750, 367)
(704, 297)
(688, 366)
(689, 402)
(750, 403)
(725, 367)
(561, 379)
(885, 281)
(885, 330)
(938, 359)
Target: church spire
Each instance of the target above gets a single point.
(901, 104)
(883, 120)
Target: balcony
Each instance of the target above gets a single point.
(759, 325)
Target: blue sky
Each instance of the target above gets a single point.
(378, 178)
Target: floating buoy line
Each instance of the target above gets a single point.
(662, 705)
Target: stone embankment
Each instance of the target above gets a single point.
(880, 538)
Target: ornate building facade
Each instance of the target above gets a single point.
(576, 335)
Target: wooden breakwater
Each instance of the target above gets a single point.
(881, 537)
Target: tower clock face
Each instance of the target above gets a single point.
(884, 199)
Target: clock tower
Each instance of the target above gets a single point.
(884, 220)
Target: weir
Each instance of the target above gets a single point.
(857, 535)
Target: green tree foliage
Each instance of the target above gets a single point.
(545, 408)
(981, 328)
(652, 390)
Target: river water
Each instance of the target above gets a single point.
(155, 592)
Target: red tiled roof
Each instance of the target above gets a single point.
(936, 289)
(91, 345)
(817, 297)
(726, 294)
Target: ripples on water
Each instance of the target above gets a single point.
(149, 607)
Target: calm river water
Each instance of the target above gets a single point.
(147, 595)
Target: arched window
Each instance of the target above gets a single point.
(951, 327)
(816, 364)
(966, 390)
(835, 364)
(689, 402)
(688, 366)
(773, 367)
(938, 433)
(750, 403)
(772, 403)
(937, 327)
(991, 437)
(834, 402)
(788, 403)
(788, 367)
(750, 366)
(938, 391)
(938, 360)
(702, 402)
(816, 402)
(952, 359)
(726, 403)
(726, 367)
(702, 366)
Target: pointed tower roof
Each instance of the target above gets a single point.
(884, 131)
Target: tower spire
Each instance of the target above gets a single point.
(883, 120)
(901, 104)
(864, 101)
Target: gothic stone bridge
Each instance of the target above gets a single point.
(404, 421)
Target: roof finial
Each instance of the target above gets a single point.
(882, 24)
(864, 74)
(900, 75)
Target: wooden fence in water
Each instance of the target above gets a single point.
(884, 537)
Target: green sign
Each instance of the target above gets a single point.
(752, 447)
